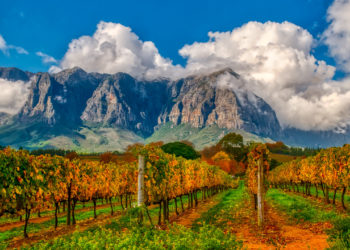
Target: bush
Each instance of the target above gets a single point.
(181, 149)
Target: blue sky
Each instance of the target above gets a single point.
(49, 26)
(295, 54)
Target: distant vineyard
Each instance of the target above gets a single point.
(31, 183)
(329, 169)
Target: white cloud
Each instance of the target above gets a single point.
(274, 53)
(274, 60)
(12, 95)
(337, 36)
(18, 49)
(54, 69)
(115, 48)
(46, 58)
(4, 47)
(2, 44)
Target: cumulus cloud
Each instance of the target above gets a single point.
(273, 53)
(115, 48)
(2, 44)
(46, 58)
(274, 61)
(4, 47)
(12, 95)
(54, 69)
(337, 36)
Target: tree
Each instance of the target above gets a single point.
(72, 155)
(106, 157)
(180, 149)
(233, 145)
(277, 147)
(274, 163)
(209, 152)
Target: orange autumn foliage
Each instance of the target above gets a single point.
(222, 160)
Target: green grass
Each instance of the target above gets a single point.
(37, 227)
(221, 213)
(302, 209)
(331, 193)
(10, 219)
(144, 237)
(298, 207)
(176, 237)
(112, 235)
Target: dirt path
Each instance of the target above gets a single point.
(188, 217)
(279, 232)
(11, 225)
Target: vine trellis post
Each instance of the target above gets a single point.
(141, 190)
(141, 176)
(260, 193)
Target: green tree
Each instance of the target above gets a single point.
(181, 149)
(233, 145)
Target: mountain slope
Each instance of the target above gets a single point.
(98, 112)
(200, 101)
(200, 137)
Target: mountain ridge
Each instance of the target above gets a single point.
(81, 105)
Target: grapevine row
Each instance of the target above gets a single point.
(32, 183)
(329, 169)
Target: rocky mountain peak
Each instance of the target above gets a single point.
(71, 76)
(14, 74)
(201, 101)
(73, 97)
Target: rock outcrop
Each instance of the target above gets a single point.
(73, 97)
(200, 101)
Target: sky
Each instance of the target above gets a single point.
(295, 54)
(49, 26)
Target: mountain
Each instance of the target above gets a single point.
(98, 112)
(122, 101)
(4, 118)
(200, 102)
(14, 74)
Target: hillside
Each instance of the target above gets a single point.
(84, 111)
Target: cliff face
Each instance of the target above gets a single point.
(71, 97)
(200, 101)
(122, 101)
(59, 98)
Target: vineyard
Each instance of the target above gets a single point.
(71, 202)
(328, 170)
(32, 184)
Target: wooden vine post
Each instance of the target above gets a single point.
(258, 167)
(260, 193)
(140, 187)
(141, 190)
